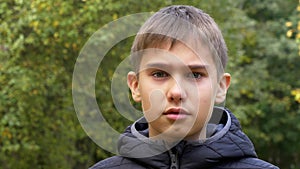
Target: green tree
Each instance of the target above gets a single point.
(264, 77)
(37, 119)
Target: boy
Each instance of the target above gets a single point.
(179, 56)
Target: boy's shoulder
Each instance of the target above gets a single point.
(116, 162)
(249, 163)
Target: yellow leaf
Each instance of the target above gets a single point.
(6, 133)
(296, 93)
(35, 24)
(35, 92)
(55, 23)
(56, 35)
(289, 33)
(288, 24)
(74, 45)
(115, 16)
(67, 45)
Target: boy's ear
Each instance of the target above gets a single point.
(132, 82)
(222, 88)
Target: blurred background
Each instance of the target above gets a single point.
(40, 41)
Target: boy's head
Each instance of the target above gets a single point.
(185, 24)
(179, 56)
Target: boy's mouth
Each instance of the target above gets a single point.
(176, 113)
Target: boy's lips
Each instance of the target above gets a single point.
(176, 113)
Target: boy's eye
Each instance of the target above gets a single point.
(160, 74)
(195, 75)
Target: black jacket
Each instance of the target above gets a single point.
(227, 147)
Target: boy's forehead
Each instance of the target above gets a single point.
(178, 53)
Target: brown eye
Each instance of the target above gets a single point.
(194, 75)
(160, 74)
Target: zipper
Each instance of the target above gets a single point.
(174, 160)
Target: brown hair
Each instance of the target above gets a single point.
(180, 23)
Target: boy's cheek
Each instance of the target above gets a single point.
(153, 105)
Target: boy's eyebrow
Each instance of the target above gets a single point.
(198, 66)
(164, 65)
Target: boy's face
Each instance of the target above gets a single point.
(177, 90)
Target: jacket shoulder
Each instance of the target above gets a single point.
(247, 163)
(116, 162)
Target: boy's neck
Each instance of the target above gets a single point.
(171, 140)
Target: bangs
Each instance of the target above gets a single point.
(164, 33)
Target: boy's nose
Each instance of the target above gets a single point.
(176, 93)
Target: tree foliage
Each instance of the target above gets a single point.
(39, 44)
(264, 81)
